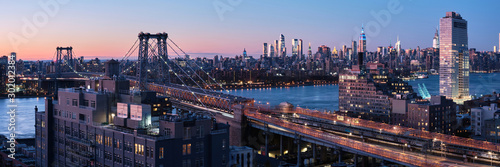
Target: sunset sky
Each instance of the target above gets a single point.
(107, 29)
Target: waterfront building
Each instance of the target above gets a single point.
(365, 91)
(454, 57)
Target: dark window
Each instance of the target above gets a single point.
(75, 102)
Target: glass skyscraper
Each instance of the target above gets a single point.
(454, 57)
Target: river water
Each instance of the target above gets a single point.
(322, 97)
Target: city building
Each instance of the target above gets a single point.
(295, 47)
(300, 48)
(454, 57)
(24, 153)
(106, 124)
(309, 52)
(435, 40)
(282, 47)
(362, 40)
(271, 50)
(265, 50)
(241, 156)
(479, 115)
(490, 129)
(354, 52)
(436, 115)
(365, 91)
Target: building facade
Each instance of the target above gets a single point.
(366, 92)
(105, 124)
(454, 57)
(479, 115)
(436, 115)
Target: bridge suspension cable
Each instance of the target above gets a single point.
(127, 55)
(175, 73)
(191, 70)
(217, 83)
(151, 46)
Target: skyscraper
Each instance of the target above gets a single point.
(271, 50)
(300, 47)
(354, 51)
(344, 52)
(309, 52)
(362, 40)
(276, 48)
(295, 47)
(435, 41)
(265, 50)
(454, 57)
(282, 46)
(398, 46)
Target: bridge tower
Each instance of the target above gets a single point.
(152, 58)
(63, 53)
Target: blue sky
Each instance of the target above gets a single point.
(108, 28)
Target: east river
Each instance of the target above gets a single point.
(321, 97)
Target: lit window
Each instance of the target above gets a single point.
(161, 153)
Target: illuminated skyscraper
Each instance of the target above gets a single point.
(282, 48)
(295, 47)
(362, 41)
(398, 46)
(454, 57)
(435, 41)
(265, 50)
(271, 50)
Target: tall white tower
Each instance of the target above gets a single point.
(435, 41)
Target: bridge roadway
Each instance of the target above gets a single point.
(455, 144)
(328, 139)
(201, 97)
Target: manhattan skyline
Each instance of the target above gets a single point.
(108, 30)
